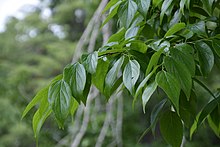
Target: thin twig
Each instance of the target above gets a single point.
(119, 121)
(106, 124)
(85, 121)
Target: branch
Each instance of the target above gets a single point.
(86, 34)
(119, 120)
(85, 121)
(106, 124)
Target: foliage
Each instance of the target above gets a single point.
(164, 46)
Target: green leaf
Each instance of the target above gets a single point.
(175, 28)
(154, 60)
(154, 117)
(206, 57)
(139, 46)
(185, 58)
(73, 106)
(185, 48)
(188, 109)
(216, 46)
(156, 2)
(78, 81)
(207, 5)
(131, 33)
(182, 4)
(143, 6)
(42, 94)
(181, 73)
(207, 110)
(171, 87)
(165, 6)
(131, 74)
(127, 12)
(143, 83)
(98, 79)
(59, 98)
(112, 13)
(149, 90)
(91, 62)
(198, 28)
(112, 76)
(117, 36)
(171, 128)
(87, 88)
(38, 121)
(110, 4)
(155, 114)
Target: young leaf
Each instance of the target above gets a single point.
(131, 74)
(38, 121)
(42, 94)
(59, 97)
(143, 6)
(181, 73)
(91, 62)
(171, 87)
(112, 76)
(73, 106)
(175, 28)
(127, 12)
(171, 128)
(206, 57)
(149, 90)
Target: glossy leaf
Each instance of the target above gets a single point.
(198, 28)
(181, 73)
(91, 62)
(148, 91)
(165, 6)
(171, 128)
(127, 12)
(78, 81)
(171, 87)
(111, 76)
(139, 46)
(175, 28)
(131, 74)
(59, 97)
(110, 4)
(143, 6)
(206, 57)
(131, 33)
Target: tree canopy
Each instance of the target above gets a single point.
(165, 47)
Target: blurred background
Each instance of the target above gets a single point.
(37, 39)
